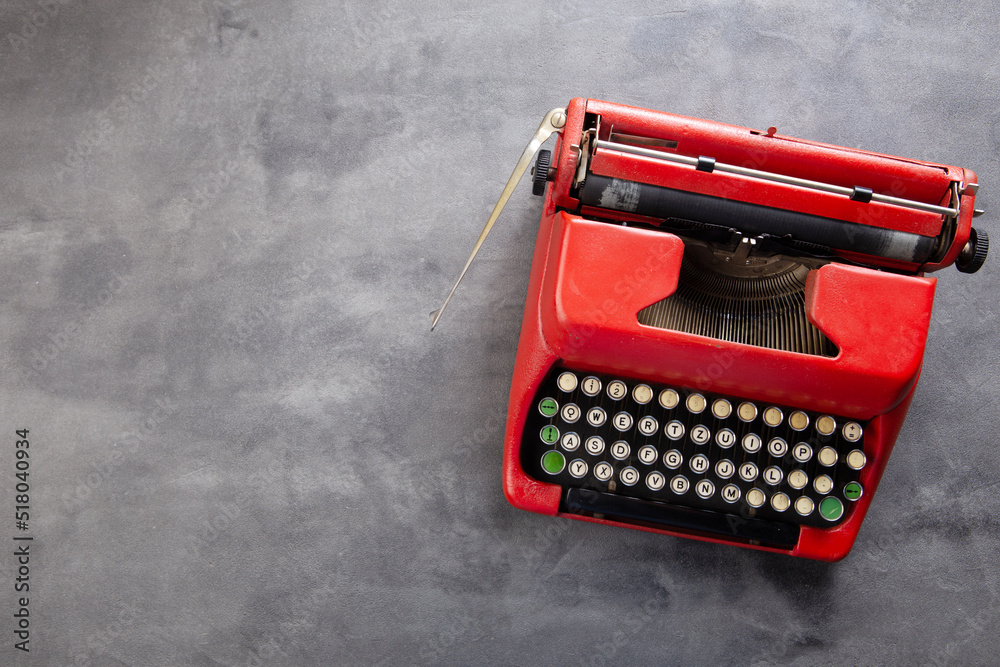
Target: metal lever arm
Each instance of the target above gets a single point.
(553, 122)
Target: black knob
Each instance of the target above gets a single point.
(540, 174)
(973, 255)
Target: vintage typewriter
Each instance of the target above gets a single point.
(724, 327)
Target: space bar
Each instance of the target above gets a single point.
(635, 510)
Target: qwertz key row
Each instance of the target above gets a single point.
(694, 449)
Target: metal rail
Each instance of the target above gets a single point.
(777, 178)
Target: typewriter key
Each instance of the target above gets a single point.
(642, 394)
(700, 434)
(567, 382)
(548, 406)
(647, 454)
(731, 493)
(804, 505)
(597, 416)
(648, 426)
(755, 497)
(798, 420)
(797, 479)
(856, 460)
(620, 450)
(655, 481)
(578, 468)
(748, 471)
(826, 425)
(629, 476)
(699, 463)
(772, 475)
(679, 485)
(751, 443)
(823, 484)
(747, 412)
(570, 413)
(721, 408)
(570, 442)
(553, 462)
(673, 459)
(695, 403)
(594, 445)
(780, 502)
(852, 431)
(674, 430)
(802, 452)
(725, 438)
(777, 447)
(591, 386)
(725, 469)
(831, 508)
(617, 389)
(549, 434)
(603, 471)
(827, 456)
(705, 489)
(773, 416)
(852, 491)
(669, 399)
(622, 421)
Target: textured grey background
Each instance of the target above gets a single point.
(222, 227)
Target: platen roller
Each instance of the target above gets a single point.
(752, 219)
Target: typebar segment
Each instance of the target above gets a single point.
(647, 512)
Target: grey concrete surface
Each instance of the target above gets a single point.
(222, 228)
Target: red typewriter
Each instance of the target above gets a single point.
(724, 327)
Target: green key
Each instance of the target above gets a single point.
(550, 434)
(553, 462)
(852, 491)
(831, 508)
(548, 407)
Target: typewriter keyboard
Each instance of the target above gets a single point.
(693, 449)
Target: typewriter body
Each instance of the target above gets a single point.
(723, 327)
